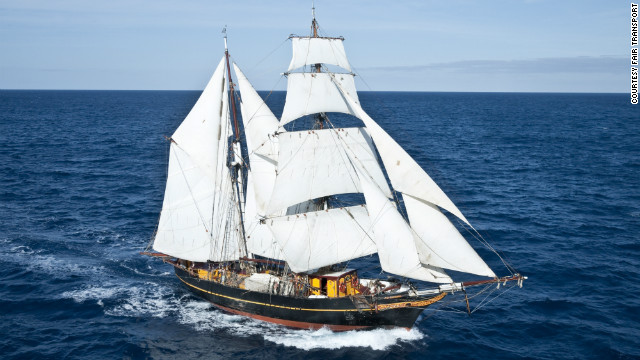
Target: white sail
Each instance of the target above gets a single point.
(185, 225)
(405, 174)
(394, 238)
(315, 163)
(309, 51)
(438, 241)
(260, 240)
(315, 239)
(310, 93)
(260, 126)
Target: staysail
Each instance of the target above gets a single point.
(394, 238)
(438, 241)
(260, 127)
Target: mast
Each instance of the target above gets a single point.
(231, 90)
(314, 23)
(320, 118)
(322, 202)
(236, 164)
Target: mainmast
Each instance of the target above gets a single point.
(321, 117)
(314, 23)
(236, 162)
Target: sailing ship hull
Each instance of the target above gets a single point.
(337, 314)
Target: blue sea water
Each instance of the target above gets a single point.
(551, 180)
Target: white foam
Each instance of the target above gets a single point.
(59, 267)
(204, 317)
(22, 250)
(377, 339)
(92, 293)
(148, 299)
(143, 299)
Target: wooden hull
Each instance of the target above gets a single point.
(337, 314)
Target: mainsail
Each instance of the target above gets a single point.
(315, 239)
(198, 208)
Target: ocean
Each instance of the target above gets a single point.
(550, 180)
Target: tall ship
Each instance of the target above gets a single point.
(266, 217)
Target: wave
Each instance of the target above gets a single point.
(377, 339)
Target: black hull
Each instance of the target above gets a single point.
(338, 314)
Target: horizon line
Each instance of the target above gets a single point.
(363, 91)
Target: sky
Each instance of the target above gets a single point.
(403, 45)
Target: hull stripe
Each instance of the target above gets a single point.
(265, 304)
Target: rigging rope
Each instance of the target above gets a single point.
(269, 54)
(476, 235)
(155, 230)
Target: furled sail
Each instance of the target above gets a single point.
(394, 238)
(438, 241)
(315, 239)
(405, 174)
(311, 93)
(309, 51)
(315, 163)
(185, 225)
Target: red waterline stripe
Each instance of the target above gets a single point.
(290, 323)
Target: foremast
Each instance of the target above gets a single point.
(202, 213)
(236, 161)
